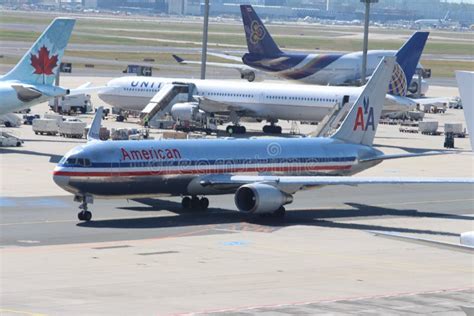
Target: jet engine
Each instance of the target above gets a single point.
(187, 111)
(260, 198)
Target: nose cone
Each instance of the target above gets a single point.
(61, 181)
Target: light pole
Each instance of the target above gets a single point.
(204, 40)
(366, 38)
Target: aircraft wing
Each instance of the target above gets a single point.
(423, 101)
(84, 89)
(425, 242)
(240, 67)
(226, 56)
(291, 184)
(208, 105)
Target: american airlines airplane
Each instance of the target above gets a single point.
(262, 173)
(323, 69)
(30, 82)
(266, 101)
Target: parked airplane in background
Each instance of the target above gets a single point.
(323, 69)
(434, 23)
(264, 173)
(30, 82)
(267, 101)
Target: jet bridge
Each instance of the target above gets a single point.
(162, 100)
(331, 121)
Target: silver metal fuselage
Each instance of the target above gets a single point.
(147, 168)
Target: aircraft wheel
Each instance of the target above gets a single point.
(195, 203)
(204, 203)
(186, 202)
(84, 216)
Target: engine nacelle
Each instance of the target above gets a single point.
(187, 111)
(260, 198)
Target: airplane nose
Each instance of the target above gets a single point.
(60, 180)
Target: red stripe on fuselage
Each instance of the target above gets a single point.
(194, 171)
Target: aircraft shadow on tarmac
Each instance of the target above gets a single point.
(218, 218)
(52, 158)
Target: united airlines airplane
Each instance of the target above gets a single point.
(30, 82)
(323, 69)
(267, 101)
(262, 173)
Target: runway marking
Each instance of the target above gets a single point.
(12, 311)
(322, 301)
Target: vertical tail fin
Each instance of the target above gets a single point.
(42, 61)
(465, 80)
(94, 130)
(259, 40)
(408, 57)
(361, 123)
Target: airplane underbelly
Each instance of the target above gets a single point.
(124, 102)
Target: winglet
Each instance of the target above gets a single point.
(94, 130)
(361, 123)
(178, 59)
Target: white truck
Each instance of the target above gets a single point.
(8, 140)
(72, 128)
(10, 120)
(45, 126)
(79, 103)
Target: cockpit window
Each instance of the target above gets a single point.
(83, 162)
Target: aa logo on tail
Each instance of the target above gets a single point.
(364, 117)
(257, 32)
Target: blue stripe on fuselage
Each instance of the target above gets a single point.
(217, 162)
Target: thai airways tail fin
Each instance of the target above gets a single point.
(361, 123)
(42, 61)
(259, 40)
(408, 57)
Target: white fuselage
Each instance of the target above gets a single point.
(259, 100)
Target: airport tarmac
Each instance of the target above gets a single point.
(148, 257)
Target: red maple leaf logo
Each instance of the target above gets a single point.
(42, 63)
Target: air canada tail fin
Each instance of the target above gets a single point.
(42, 61)
(361, 123)
(259, 40)
(408, 57)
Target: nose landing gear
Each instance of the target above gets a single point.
(84, 214)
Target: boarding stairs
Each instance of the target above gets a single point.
(161, 101)
(331, 121)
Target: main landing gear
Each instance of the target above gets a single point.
(84, 214)
(272, 128)
(195, 203)
(235, 128)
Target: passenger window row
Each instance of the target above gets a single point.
(139, 89)
(229, 94)
(300, 98)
